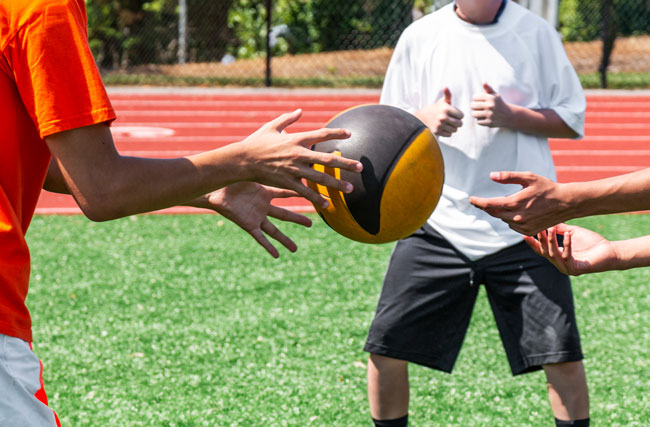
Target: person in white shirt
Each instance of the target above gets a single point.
(493, 82)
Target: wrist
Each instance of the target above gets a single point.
(572, 201)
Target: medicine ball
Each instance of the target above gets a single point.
(401, 181)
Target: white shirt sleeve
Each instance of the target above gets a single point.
(399, 89)
(562, 91)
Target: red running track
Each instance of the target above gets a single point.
(172, 123)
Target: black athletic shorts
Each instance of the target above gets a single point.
(429, 293)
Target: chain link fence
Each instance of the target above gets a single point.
(330, 42)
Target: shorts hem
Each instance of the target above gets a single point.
(416, 358)
(536, 362)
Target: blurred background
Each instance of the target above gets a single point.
(330, 43)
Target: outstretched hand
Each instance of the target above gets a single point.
(248, 204)
(281, 159)
(583, 251)
(536, 207)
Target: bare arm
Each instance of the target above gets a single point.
(543, 203)
(585, 251)
(54, 180)
(492, 111)
(107, 185)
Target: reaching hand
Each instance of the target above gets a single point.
(536, 207)
(441, 117)
(490, 110)
(248, 204)
(583, 250)
(282, 159)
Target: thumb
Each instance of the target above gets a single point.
(522, 178)
(488, 89)
(447, 94)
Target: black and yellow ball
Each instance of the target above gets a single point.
(402, 176)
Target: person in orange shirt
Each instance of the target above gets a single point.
(55, 116)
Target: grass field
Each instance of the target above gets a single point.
(185, 321)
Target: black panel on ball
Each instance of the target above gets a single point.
(380, 134)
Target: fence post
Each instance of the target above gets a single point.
(608, 36)
(267, 79)
(182, 31)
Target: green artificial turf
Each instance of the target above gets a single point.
(185, 321)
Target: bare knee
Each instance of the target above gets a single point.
(383, 364)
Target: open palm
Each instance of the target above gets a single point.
(583, 251)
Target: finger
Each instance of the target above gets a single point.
(285, 120)
(495, 204)
(563, 228)
(553, 249)
(280, 193)
(455, 113)
(534, 244)
(453, 121)
(480, 114)
(567, 253)
(304, 191)
(289, 216)
(488, 89)
(447, 128)
(307, 139)
(334, 161)
(543, 244)
(264, 242)
(447, 95)
(327, 180)
(522, 178)
(477, 105)
(269, 228)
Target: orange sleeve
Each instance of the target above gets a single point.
(55, 71)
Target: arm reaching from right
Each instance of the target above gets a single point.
(585, 251)
(543, 203)
(107, 185)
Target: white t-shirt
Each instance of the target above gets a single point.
(522, 58)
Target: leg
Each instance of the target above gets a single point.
(533, 306)
(567, 390)
(422, 315)
(388, 387)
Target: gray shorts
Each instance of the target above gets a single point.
(429, 293)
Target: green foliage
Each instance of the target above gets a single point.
(171, 320)
(129, 32)
(318, 25)
(581, 20)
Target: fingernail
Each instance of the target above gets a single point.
(348, 188)
(324, 204)
(359, 166)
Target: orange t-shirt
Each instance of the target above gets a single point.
(49, 83)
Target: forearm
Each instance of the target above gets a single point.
(631, 253)
(622, 193)
(545, 122)
(140, 185)
(119, 186)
